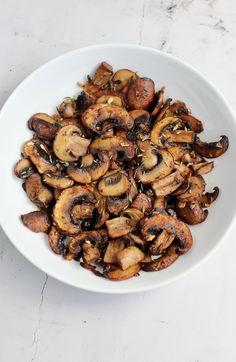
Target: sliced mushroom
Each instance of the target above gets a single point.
(114, 183)
(102, 75)
(83, 101)
(24, 168)
(163, 110)
(118, 274)
(160, 202)
(58, 242)
(113, 248)
(129, 256)
(141, 127)
(194, 124)
(37, 192)
(142, 202)
(158, 102)
(149, 154)
(161, 242)
(163, 168)
(124, 224)
(160, 134)
(81, 212)
(40, 155)
(177, 152)
(71, 197)
(57, 180)
(168, 184)
(195, 190)
(211, 149)
(179, 108)
(110, 97)
(191, 213)
(44, 126)
(90, 253)
(90, 168)
(140, 93)
(209, 197)
(69, 144)
(37, 221)
(203, 168)
(159, 221)
(171, 255)
(122, 78)
(180, 136)
(90, 237)
(97, 115)
(117, 146)
(67, 108)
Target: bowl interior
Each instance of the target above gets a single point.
(46, 87)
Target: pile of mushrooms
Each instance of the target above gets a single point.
(117, 174)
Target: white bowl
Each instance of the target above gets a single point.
(46, 87)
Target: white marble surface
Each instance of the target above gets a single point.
(192, 320)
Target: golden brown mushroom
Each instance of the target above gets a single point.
(70, 143)
(100, 117)
(37, 192)
(37, 221)
(57, 180)
(211, 149)
(114, 183)
(129, 256)
(116, 146)
(102, 75)
(140, 93)
(44, 126)
(191, 212)
(24, 168)
(121, 79)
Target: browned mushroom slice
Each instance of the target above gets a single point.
(117, 204)
(160, 202)
(203, 168)
(161, 242)
(142, 125)
(69, 144)
(135, 239)
(159, 221)
(118, 274)
(209, 197)
(191, 212)
(168, 184)
(102, 75)
(163, 110)
(187, 181)
(58, 242)
(83, 101)
(90, 237)
(71, 197)
(114, 183)
(180, 136)
(57, 180)
(40, 156)
(113, 116)
(164, 167)
(149, 154)
(194, 124)
(90, 253)
(67, 108)
(37, 221)
(122, 78)
(158, 100)
(44, 126)
(156, 133)
(80, 212)
(177, 152)
(124, 224)
(140, 93)
(37, 192)
(178, 107)
(211, 149)
(114, 145)
(112, 98)
(171, 255)
(129, 256)
(113, 248)
(56, 193)
(142, 202)
(24, 168)
(195, 190)
(89, 169)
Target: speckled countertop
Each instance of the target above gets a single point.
(191, 320)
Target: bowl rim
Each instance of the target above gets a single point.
(176, 60)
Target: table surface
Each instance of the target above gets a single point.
(191, 320)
